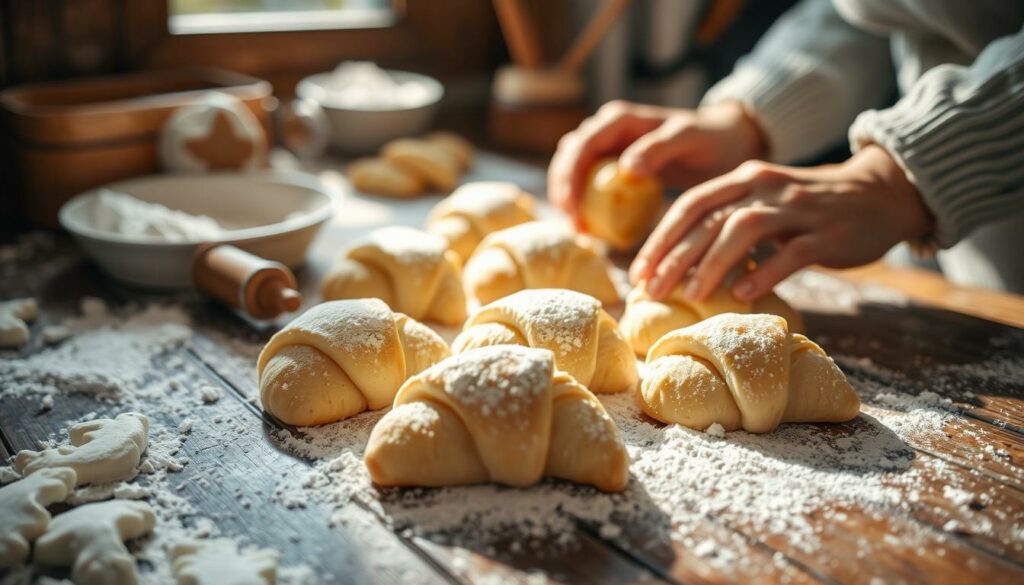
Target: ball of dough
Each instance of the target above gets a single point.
(743, 372)
(477, 209)
(619, 207)
(219, 132)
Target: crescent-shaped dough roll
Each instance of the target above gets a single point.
(646, 320)
(476, 209)
(433, 163)
(340, 358)
(457, 147)
(537, 255)
(619, 207)
(743, 371)
(410, 270)
(496, 414)
(378, 176)
(584, 339)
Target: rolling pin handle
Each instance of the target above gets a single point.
(261, 288)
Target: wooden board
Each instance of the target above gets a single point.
(234, 461)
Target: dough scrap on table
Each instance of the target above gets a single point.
(496, 414)
(15, 315)
(100, 451)
(646, 320)
(477, 209)
(584, 339)
(23, 514)
(743, 372)
(410, 270)
(618, 207)
(219, 562)
(538, 254)
(90, 539)
(340, 358)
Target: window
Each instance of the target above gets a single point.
(234, 16)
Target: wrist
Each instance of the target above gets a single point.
(746, 137)
(886, 175)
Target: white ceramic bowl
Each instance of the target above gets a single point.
(273, 214)
(364, 131)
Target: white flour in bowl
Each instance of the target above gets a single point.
(120, 213)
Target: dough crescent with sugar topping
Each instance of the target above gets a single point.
(340, 358)
(476, 209)
(583, 338)
(410, 270)
(538, 255)
(496, 414)
(743, 372)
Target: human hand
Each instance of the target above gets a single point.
(836, 215)
(682, 147)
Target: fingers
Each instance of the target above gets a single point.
(687, 210)
(613, 128)
(649, 154)
(674, 266)
(744, 229)
(797, 253)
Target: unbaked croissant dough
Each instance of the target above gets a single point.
(458, 147)
(378, 176)
(584, 339)
(619, 207)
(340, 358)
(101, 450)
(219, 562)
(537, 255)
(496, 414)
(743, 371)
(23, 514)
(410, 270)
(91, 538)
(646, 320)
(476, 209)
(432, 162)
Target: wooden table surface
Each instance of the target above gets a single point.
(908, 331)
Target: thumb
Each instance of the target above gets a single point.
(649, 154)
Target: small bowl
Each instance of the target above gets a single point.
(273, 214)
(364, 131)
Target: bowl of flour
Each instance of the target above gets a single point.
(367, 106)
(145, 231)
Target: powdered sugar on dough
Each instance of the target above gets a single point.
(91, 538)
(219, 562)
(496, 380)
(409, 246)
(556, 315)
(23, 514)
(101, 451)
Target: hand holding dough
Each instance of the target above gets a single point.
(101, 450)
(496, 414)
(646, 320)
(619, 207)
(537, 255)
(583, 338)
(476, 209)
(23, 514)
(91, 538)
(743, 371)
(340, 358)
(218, 562)
(410, 270)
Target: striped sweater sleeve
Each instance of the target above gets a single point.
(807, 79)
(959, 136)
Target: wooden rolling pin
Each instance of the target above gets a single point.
(261, 288)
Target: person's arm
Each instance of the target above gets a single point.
(807, 79)
(959, 136)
